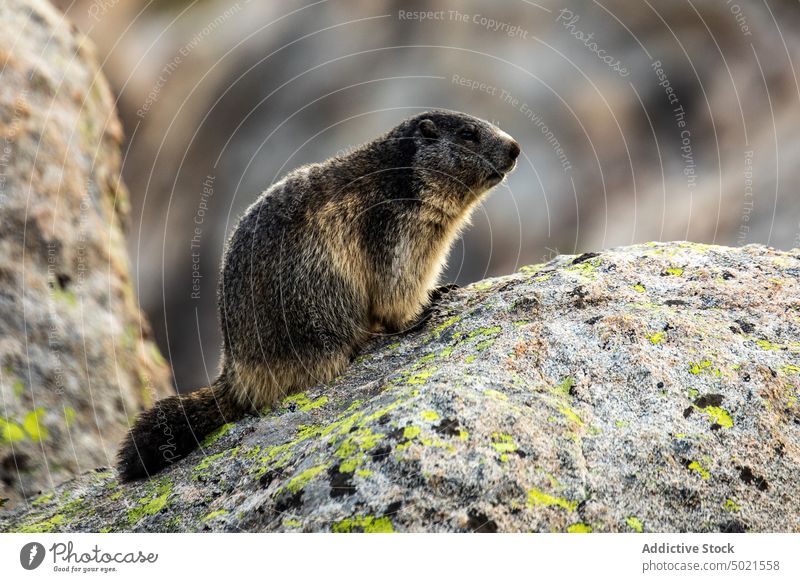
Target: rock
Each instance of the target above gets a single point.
(649, 388)
(76, 361)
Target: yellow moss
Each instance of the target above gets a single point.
(420, 377)
(153, 502)
(218, 434)
(367, 524)
(430, 415)
(42, 499)
(301, 480)
(495, 394)
(676, 271)
(699, 469)
(302, 402)
(719, 416)
(639, 288)
(213, 514)
(10, 432)
(537, 497)
(411, 432)
(579, 528)
(656, 338)
(570, 414)
(635, 524)
(34, 425)
(731, 505)
(564, 387)
(69, 416)
(503, 443)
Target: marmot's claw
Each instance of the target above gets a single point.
(442, 290)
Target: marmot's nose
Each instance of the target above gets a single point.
(514, 150)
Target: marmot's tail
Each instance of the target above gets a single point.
(174, 427)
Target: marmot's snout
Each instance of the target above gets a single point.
(504, 157)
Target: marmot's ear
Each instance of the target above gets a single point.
(428, 129)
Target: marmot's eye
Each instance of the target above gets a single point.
(468, 134)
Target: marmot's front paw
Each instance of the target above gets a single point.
(438, 292)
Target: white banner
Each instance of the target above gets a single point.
(331, 557)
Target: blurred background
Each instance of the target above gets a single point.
(638, 120)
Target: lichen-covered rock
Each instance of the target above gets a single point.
(649, 388)
(75, 359)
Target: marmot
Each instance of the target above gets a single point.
(325, 258)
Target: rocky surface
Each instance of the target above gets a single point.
(76, 361)
(651, 388)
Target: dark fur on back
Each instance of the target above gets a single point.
(326, 258)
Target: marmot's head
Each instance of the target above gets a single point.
(464, 154)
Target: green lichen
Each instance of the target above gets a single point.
(420, 377)
(503, 443)
(43, 526)
(731, 505)
(69, 416)
(585, 268)
(218, 434)
(10, 432)
(42, 499)
(213, 514)
(411, 432)
(495, 394)
(430, 415)
(299, 481)
(202, 469)
(353, 450)
(154, 501)
(719, 416)
(292, 523)
(537, 497)
(367, 524)
(639, 288)
(699, 469)
(437, 331)
(34, 425)
(531, 269)
(790, 369)
(635, 524)
(676, 271)
(579, 528)
(703, 367)
(564, 387)
(656, 338)
(471, 358)
(571, 415)
(18, 388)
(65, 296)
(302, 402)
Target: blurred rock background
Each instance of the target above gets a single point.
(639, 121)
(77, 359)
